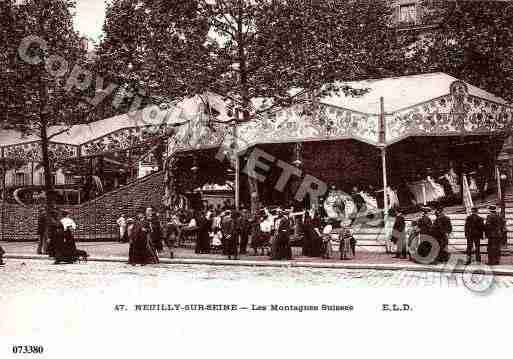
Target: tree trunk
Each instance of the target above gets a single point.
(48, 185)
(244, 93)
(43, 134)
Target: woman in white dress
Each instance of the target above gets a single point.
(434, 191)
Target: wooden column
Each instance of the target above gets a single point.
(385, 184)
(382, 142)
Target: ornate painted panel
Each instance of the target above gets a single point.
(456, 113)
(488, 116)
(122, 140)
(27, 152)
(119, 140)
(60, 152)
(198, 133)
(31, 152)
(433, 117)
(294, 124)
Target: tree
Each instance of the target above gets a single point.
(472, 40)
(41, 73)
(281, 50)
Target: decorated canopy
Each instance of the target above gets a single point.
(434, 104)
(109, 135)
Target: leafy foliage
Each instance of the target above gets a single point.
(32, 100)
(473, 41)
(247, 49)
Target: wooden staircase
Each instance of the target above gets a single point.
(374, 238)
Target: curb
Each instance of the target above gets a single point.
(292, 264)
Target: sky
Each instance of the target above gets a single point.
(89, 18)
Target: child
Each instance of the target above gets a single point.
(172, 234)
(217, 239)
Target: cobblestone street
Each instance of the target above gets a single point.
(23, 277)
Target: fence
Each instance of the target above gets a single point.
(96, 219)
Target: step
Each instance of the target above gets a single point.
(461, 222)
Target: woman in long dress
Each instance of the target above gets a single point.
(281, 246)
(204, 226)
(307, 235)
(141, 250)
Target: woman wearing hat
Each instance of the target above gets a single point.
(141, 250)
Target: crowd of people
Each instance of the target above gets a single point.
(269, 232)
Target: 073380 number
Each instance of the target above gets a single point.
(27, 349)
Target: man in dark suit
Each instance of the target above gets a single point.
(425, 226)
(399, 235)
(245, 229)
(493, 228)
(474, 230)
(442, 227)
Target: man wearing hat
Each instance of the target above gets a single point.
(399, 234)
(493, 229)
(424, 223)
(425, 229)
(442, 227)
(474, 230)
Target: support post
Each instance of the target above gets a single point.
(385, 184)
(382, 143)
(237, 182)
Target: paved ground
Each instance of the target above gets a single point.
(27, 277)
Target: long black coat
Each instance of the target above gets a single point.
(141, 251)
(153, 225)
(474, 226)
(493, 227)
(230, 229)
(281, 246)
(204, 226)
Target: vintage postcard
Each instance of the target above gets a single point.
(255, 177)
